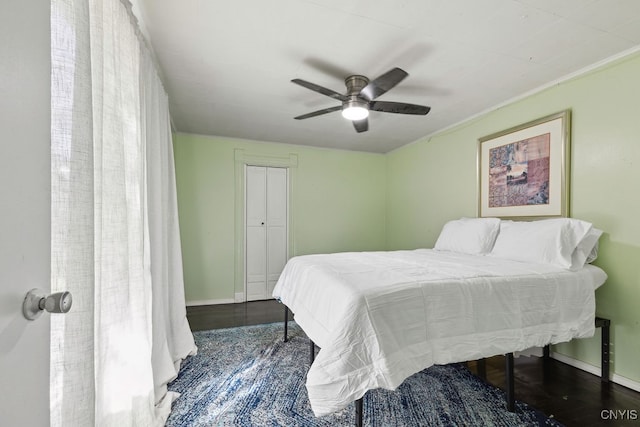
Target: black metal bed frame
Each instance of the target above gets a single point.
(600, 322)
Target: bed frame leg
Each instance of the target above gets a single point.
(359, 411)
(481, 365)
(546, 352)
(286, 323)
(605, 324)
(511, 399)
(312, 351)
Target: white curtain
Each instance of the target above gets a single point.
(115, 240)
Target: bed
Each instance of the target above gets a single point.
(380, 317)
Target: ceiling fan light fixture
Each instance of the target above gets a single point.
(355, 109)
(355, 113)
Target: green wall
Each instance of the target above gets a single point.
(337, 204)
(434, 180)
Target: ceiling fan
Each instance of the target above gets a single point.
(360, 98)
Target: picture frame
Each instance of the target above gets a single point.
(523, 172)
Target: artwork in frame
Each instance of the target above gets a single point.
(524, 171)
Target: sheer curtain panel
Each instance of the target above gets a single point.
(115, 239)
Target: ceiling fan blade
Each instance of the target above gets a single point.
(319, 112)
(398, 107)
(361, 125)
(323, 90)
(382, 84)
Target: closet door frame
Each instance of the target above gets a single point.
(242, 160)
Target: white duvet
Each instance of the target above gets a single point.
(380, 317)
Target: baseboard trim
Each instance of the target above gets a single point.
(210, 302)
(595, 370)
(239, 297)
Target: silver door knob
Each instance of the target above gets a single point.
(36, 301)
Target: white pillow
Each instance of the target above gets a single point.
(587, 250)
(474, 236)
(549, 241)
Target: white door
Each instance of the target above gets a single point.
(276, 225)
(266, 229)
(256, 233)
(24, 209)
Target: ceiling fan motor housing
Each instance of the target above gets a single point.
(354, 101)
(355, 84)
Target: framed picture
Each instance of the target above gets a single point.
(524, 171)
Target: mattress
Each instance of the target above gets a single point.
(380, 317)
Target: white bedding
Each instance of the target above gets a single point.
(380, 317)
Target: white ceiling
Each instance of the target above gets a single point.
(227, 65)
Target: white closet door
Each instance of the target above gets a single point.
(276, 225)
(266, 229)
(256, 262)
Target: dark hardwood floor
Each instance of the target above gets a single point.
(571, 396)
(205, 317)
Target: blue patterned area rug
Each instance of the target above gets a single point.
(248, 376)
